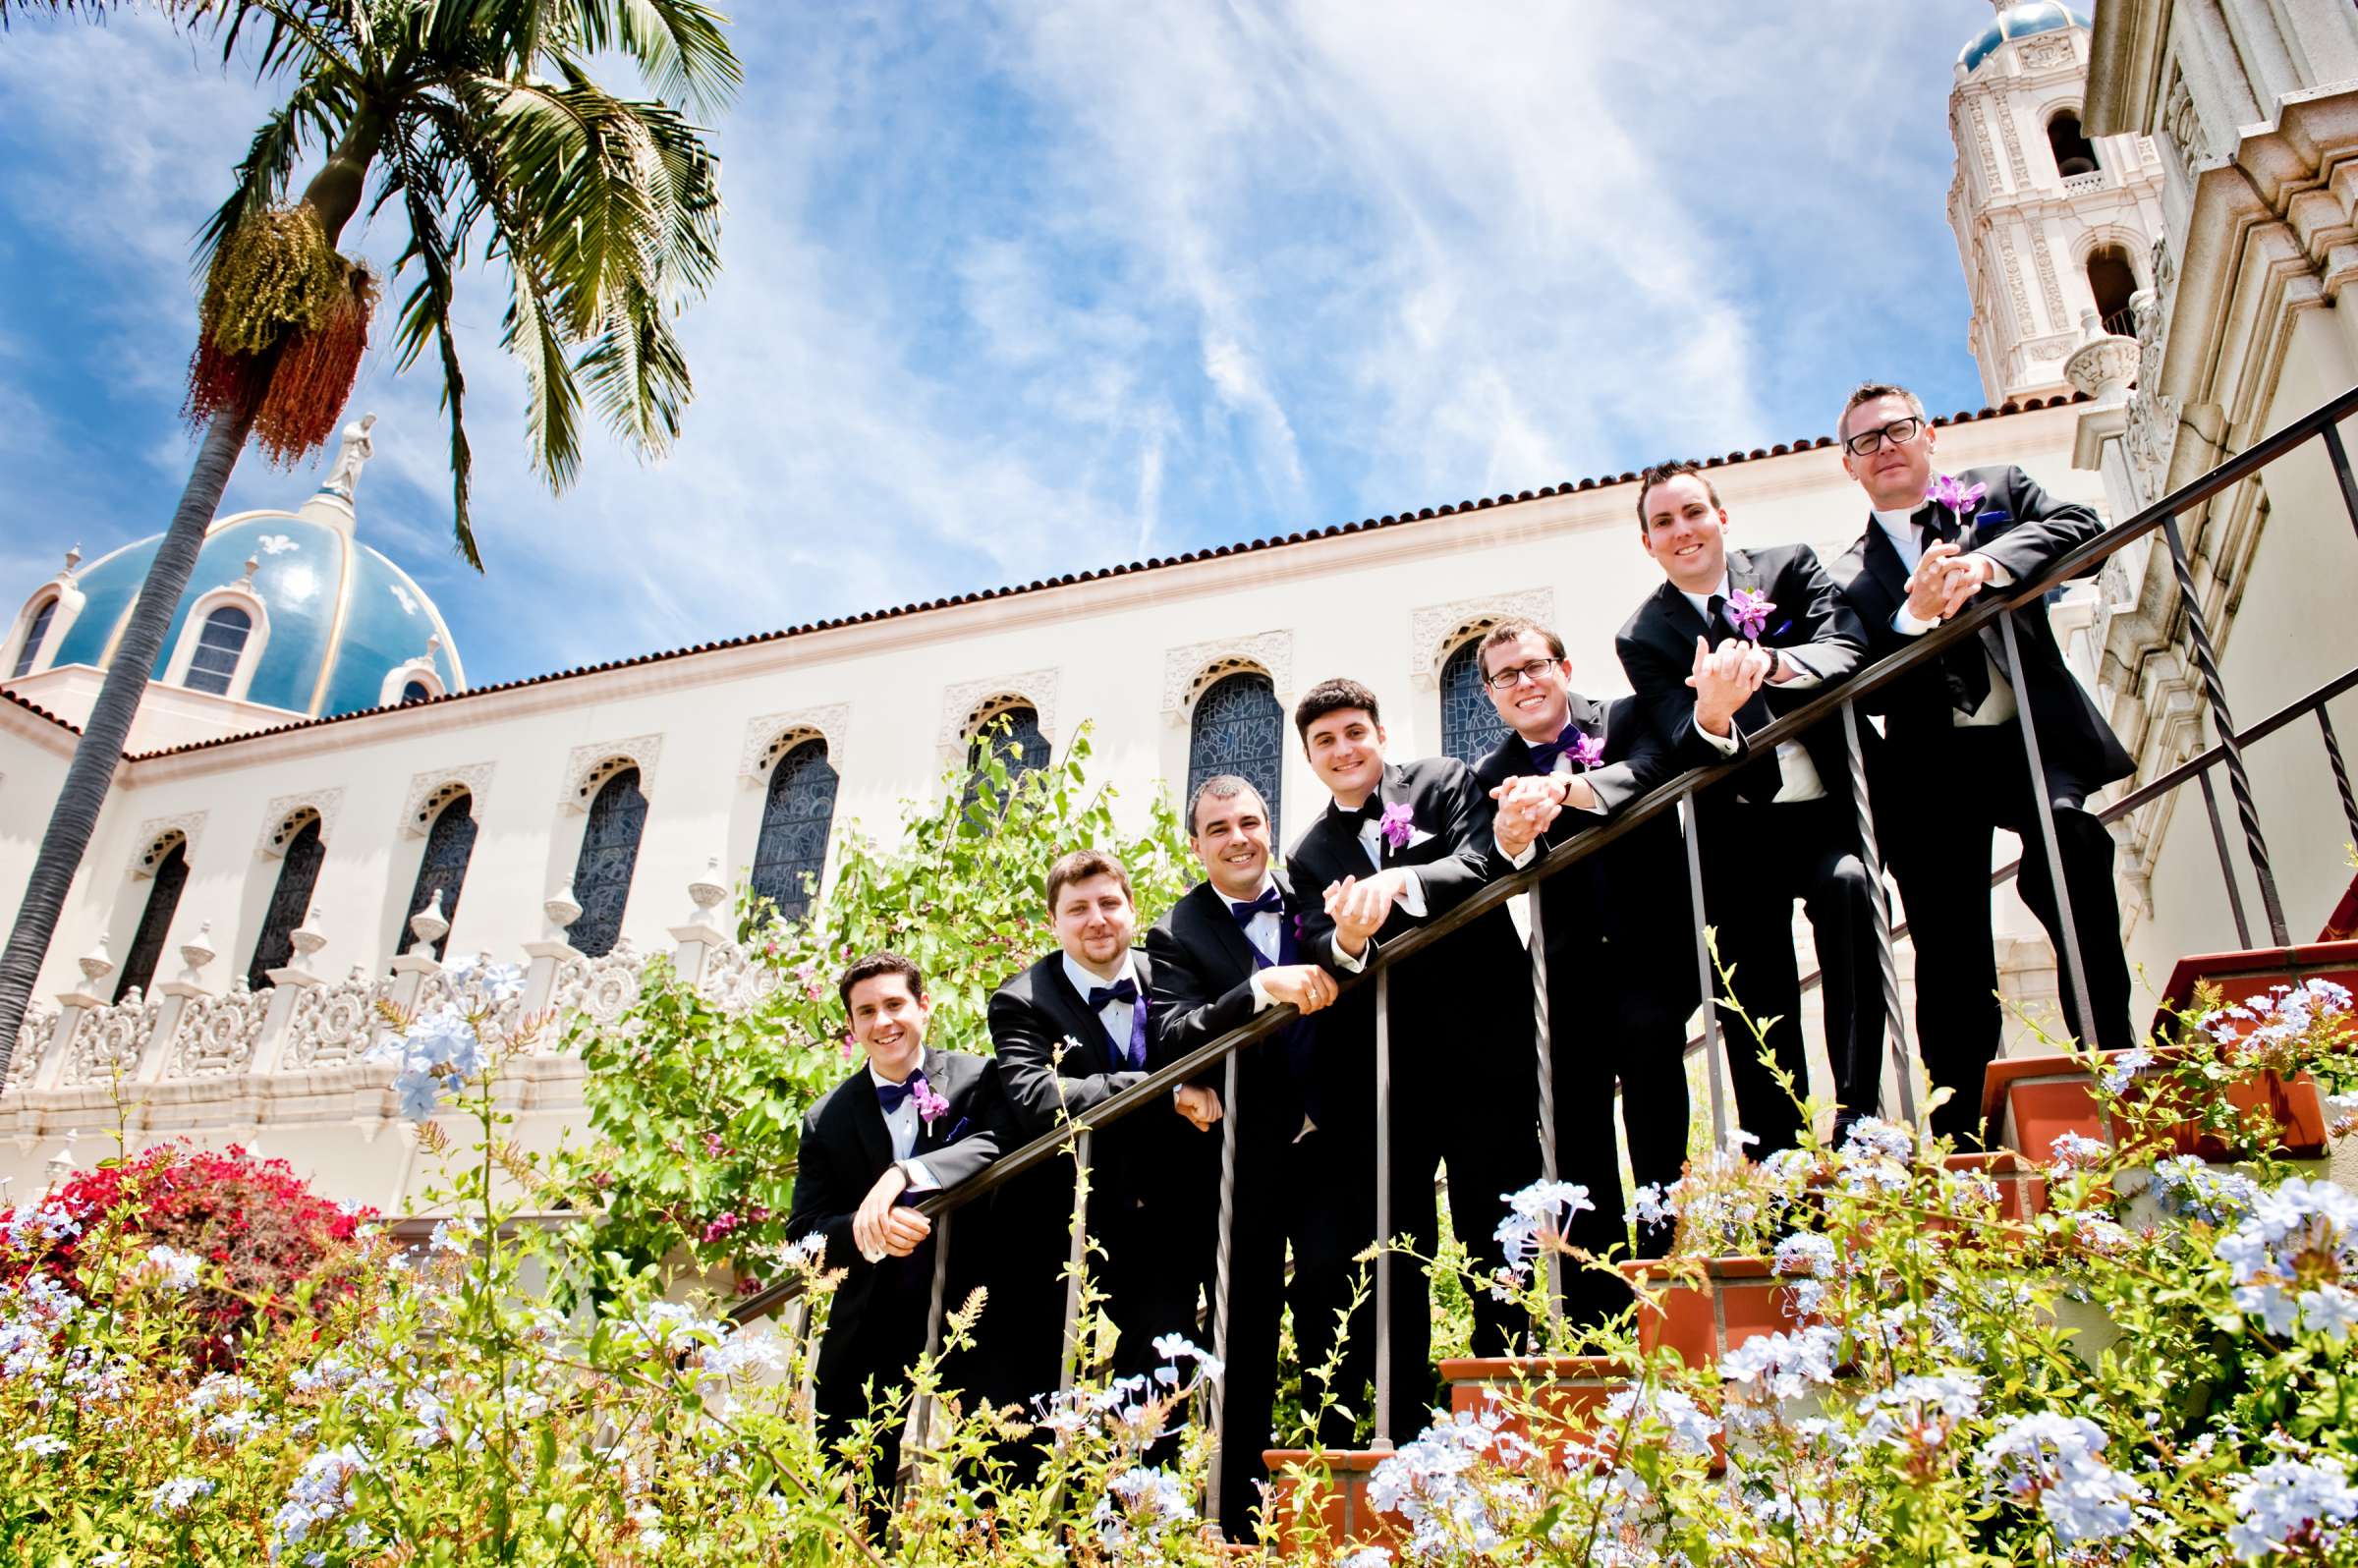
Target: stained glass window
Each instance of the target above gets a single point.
(602, 879)
(297, 875)
(1016, 728)
(34, 638)
(443, 868)
(1470, 725)
(795, 820)
(1239, 728)
(218, 645)
(163, 897)
(415, 692)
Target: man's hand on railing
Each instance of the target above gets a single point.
(1200, 1104)
(1527, 805)
(1358, 907)
(1725, 679)
(1927, 586)
(1305, 987)
(881, 1228)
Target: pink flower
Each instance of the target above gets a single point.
(1748, 614)
(1398, 823)
(1587, 751)
(715, 1145)
(720, 1228)
(930, 1105)
(1953, 492)
(849, 1046)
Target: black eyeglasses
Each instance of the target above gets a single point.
(1899, 432)
(1506, 679)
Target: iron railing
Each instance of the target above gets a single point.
(1839, 704)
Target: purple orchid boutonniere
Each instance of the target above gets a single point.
(1748, 614)
(1585, 751)
(930, 1105)
(1397, 824)
(1954, 493)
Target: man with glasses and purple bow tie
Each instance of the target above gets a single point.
(1954, 768)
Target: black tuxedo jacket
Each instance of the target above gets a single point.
(1632, 894)
(1204, 989)
(1811, 621)
(1474, 986)
(2030, 531)
(845, 1147)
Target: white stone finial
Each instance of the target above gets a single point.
(60, 1165)
(344, 477)
(254, 564)
(196, 953)
(562, 911)
(428, 926)
(73, 558)
(707, 891)
(95, 964)
(308, 938)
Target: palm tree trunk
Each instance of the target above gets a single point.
(100, 749)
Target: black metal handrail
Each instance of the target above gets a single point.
(1156, 1085)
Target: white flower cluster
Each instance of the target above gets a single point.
(35, 1227)
(1426, 1482)
(2058, 1461)
(438, 1051)
(2072, 1151)
(2283, 1017)
(2286, 1498)
(319, 1495)
(1541, 1207)
(171, 1269)
(2195, 1190)
(30, 1316)
(1775, 1368)
(1140, 1506)
(173, 1497)
(2293, 1256)
(1920, 1410)
(1652, 1413)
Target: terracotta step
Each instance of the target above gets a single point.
(2021, 1184)
(1566, 1391)
(1339, 1513)
(1738, 1298)
(2030, 1101)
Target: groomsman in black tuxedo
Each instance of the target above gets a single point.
(1621, 989)
(1954, 768)
(913, 1120)
(1072, 1032)
(1398, 846)
(1732, 640)
(1229, 949)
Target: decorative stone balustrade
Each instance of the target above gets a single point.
(303, 1027)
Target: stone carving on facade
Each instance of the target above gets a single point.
(1190, 671)
(2180, 121)
(335, 1025)
(502, 1018)
(2046, 53)
(35, 1035)
(218, 1033)
(1981, 141)
(107, 1044)
(436, 788)
(603, 989)
(590, 766)
(284, 817)
(772, 735)
(2024, 322)
(156, 839)
(1434, 630)
(734, 983)
(2152, 432)
(967, 701)
(2053, 346)
(2049, 288)
(2013, 142)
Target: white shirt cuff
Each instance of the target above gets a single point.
(1354, 961)
(920, 1180)
(1802, 678)
(1725, 745)
(1999, 576)
(1262, 1000)
(1412, 895)
(1518, 861)
(1907, 625)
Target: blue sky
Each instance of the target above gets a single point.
(1014, 290)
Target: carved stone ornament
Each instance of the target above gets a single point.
(2049, 288)
(1189, 672)
(590, 766)
(1435, 628)
(963, 703)
(2055, 346)
(283, 819)
(2013, 143)
(436, 788)
(772, 735)
(2044, 53)
(157, 837)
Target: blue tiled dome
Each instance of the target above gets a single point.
(342, 617)
(2018, 21)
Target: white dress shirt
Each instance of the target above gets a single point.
(1412, 893)
(1115, 1014)
(1595, 807)
(1264, 931)
(1910, 541)
(902, 1125)
(1799, 773)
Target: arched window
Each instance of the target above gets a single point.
(601, 877)
(297, 875)
(1470, 725)
(2074, 152)
(415, 692)
(443, 868)
(35, 636)
(792, 852)
(2113, 280)
(1239, 728)
(163, 897)
(214, 664)
(1017, 726)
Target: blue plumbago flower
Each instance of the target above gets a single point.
(1920, 1412)
(1140, 1506)
(171, 1268)
(35, 1227)
(43, 1444)
(1177, 1348)
(498, 981)
(456, 1234)
(1782, 1366)
(220, 1390)
(1689, 1429)
(2284, 1016)
(2190, 1187)
(173, 1496)
(1542, 1208)
(2122, 1069)
(2055, 1460)
(1366, 1557)
(2293, 1257)
(742, 1354)
(319, 1495)
(1874, 1137)
(2077, 1151)
(2287, 1505)
(1425, 1482)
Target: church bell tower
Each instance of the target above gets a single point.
(2054, 227)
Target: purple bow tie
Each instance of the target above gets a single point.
(891, 1097)
(1270, 902)
(1124, 989)
(1571, 741)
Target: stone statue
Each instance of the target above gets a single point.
(345, 475)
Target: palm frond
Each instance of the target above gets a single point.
(677, 44)
(310, 116)
(427, 314)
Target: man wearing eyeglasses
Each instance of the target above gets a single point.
(1569, 762)
(1954, 768)
(1732, 641)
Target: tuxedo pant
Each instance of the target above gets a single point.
(1268, 1116)
(1634, 1044)
(1940, 852)
(1757, 860)
(872, 1351)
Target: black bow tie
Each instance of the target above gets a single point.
(1545, 755)
(1370, 809)
(892, 1095)
(1124, 989)
(1270, 902)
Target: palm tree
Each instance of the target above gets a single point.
(479, 123)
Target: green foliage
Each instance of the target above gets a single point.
(698, 1111)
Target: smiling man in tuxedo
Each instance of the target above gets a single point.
(1072, 1032)
(1400, 845)
(1732, 640)
(1229, 949)
(1954, 768)
(1621, 989)
(913, 1120)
